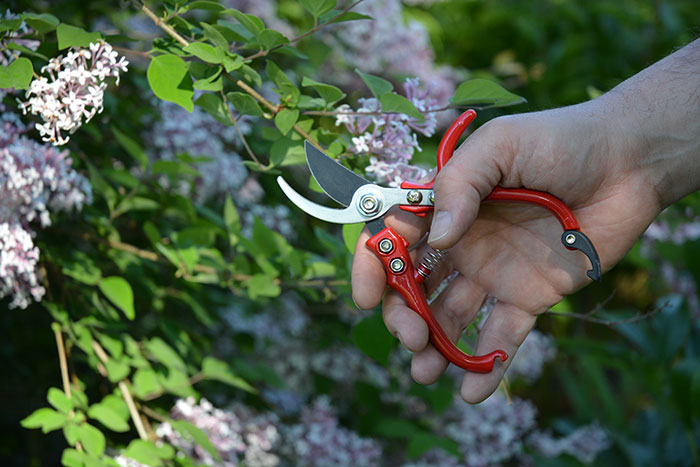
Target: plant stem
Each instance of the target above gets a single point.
(240, 133)
(62, 360)
(161, 24)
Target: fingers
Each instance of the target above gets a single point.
(404, 323)
(468, 177)
(454, 309)
(505, 329)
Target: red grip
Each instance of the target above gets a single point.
(540, 198)
(404, 281)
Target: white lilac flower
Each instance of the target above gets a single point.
(73, 93)
(18, 264)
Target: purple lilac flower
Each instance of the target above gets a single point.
(320, 440)
(584, 443)
(74, 91)
(239, 435)
(390, 139)
(18, 264)
(536, 350)
(8, 55)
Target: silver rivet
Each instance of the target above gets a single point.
(414, 196)
(397, 265)
(432, 197)
(386, 246)
(570, 239)
(369, 204)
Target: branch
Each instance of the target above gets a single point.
(311, 31)
(240, 133)
(639, 316)
(161, 24)
(126, 394)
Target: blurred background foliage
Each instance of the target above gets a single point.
(628, 350)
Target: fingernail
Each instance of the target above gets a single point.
(354, 302)
(440, 227)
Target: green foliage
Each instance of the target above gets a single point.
(170, 81)
(484, 92)
(71, 36)
(17, 74)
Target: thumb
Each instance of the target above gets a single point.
(468, 177)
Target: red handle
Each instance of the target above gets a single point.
(402, 277)
(447, 147)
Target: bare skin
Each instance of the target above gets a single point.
(616, 161)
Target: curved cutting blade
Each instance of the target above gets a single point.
(340, 183)
(337, 216)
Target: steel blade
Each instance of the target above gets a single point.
(337, 216)
(340, 183)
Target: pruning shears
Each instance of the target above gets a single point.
(367, 202)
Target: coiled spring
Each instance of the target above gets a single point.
(431, 261)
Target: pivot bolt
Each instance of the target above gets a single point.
(570, 239)
(432, 197)
(386, 246)
(397, 265)
(369, 204)
(414, 197)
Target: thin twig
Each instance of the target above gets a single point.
(316, 28)
(161, 24)
(153, 414)
(234, 120)
(62, 360)
(588, 316)
(126, 394)
(335, 113)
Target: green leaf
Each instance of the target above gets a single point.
(46, 419)
(205, 52)
(17, 75)
(288, 92)
(318, 7)
(347, 16)
(71, 36)
(135, 203)
(328, 93)
(250, 22)
(131, 147)
(484, 92)
(119, 292)
(92, 439)
(189, 431)
(108, 417)
(10, 24)
(351, 232)
(43, 22)
(231, 218)
(215, 107)
(143, 452)
(71, 431)
(58, 399)
(422, 442)
(214, 36)
(371, 336)
(170, 80)
(74, 458)
(244, 103)
(218, 370)
(378, 86)
(286, 151)
(145, 383)
(270, 38)
(165, 354)
(285, 120)
(117, 370)
(203, 5)
(392, 102)
(261, 285)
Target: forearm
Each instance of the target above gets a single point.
(656, 118)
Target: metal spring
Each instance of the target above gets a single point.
(431, 261)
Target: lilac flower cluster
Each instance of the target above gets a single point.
(8, 55)
(239, 435)
(34, 180)
(320, 440)
(389, 47)
(390, 139)
(74, 91)
(535, 351)
(220, 168)
(584, 443)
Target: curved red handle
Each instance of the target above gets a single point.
(447, 147)
(402, 277)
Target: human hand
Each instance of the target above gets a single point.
(512, 252)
